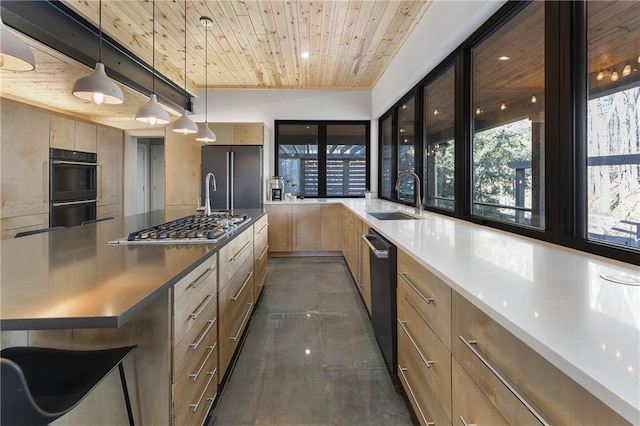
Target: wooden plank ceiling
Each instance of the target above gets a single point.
(252, 44)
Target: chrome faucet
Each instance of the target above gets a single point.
(207, 200)
(418, 201)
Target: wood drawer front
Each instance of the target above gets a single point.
(469, 403)
(186, 415)
(193, 379)
(202, 276)
(233, 255)
(240, 283)
(261, 269)
(415, 382)
(435, 359)
(189, 311)
(261, 227)
(195, 341)
(431, 297)
(232, 324)
(261, 246)
(524, 369)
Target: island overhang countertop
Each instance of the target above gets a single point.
(72, 278)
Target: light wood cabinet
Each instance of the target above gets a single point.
(260, 253)
(86, 137)
(182, 169)
(351, 247)
(238, 133)
(110, 151)
(195, 344)
(280, 228)
(365, 276)
(235, 294)
(479, 342)
(25, 161)
(68, 133)
(307, 227)
(331, 227)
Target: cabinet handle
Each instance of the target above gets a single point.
(427, 363)
(45, 185)
(210, 323)
(264, 278)
(200, 309)
(234, 338)
(235, 256)
(469, 344)
(194, 376)
(202, 278)
(234, 298)
(464, 422)
(402, 370)
(211, 375)
(264, 252)
(403, 275)
(263, 228)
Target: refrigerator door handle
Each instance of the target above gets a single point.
(232, 176)
(228, 189)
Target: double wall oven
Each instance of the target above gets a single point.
(73, 187)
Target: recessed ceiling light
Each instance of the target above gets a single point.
(504, 58)
(304, 55)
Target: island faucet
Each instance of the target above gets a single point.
(207, 200)
(418, 201)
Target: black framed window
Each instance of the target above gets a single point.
(508, 121)
(612, 146)
(439, 141)
(406, 151)
(387, 156)
(323, 158)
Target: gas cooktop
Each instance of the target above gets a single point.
(188, 230)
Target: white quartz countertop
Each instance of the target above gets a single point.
(553, 298)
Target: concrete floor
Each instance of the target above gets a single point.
(310, 356)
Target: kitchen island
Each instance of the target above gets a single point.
(72, 289)
(561, 303)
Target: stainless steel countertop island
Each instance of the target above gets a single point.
(72, 278)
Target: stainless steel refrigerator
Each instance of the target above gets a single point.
(238, 174)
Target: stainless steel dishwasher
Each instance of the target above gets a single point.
(383, 261)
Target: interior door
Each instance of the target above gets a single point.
(156, 183)
(142, 173)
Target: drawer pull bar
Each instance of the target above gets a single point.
(235, 256)
(402, 370)
(469, 344)
(264, 252)
(211, 375)
(235, 338)
(202, 278)
(264, 278)
(213, 398)
(210, 323)
(200, 309)
(415, 345)
(464, 422)
(263, 228)
(234, 298)
(194, 376)
(403, 275)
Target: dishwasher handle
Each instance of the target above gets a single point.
(372, 241)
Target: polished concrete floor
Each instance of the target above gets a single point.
(310, 356)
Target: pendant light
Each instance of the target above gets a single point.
(97, 87)
(152, 113)
(15, 55)
(206, 135)
(185, 124)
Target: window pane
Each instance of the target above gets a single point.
(613, 122)
(439, 142)
(406, 150)
(346, 160)
(508, 126)
(388, 159)
(298, 158)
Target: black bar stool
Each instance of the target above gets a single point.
(39, 385)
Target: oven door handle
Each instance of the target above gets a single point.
(73, 203)
(74, 163)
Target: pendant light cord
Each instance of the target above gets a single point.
(206, 91)
(185, 51)
(153, 45)
(100, 31)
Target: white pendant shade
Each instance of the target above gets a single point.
(15, 55)
(152, 113)
(98, 88)
(184, 125)
(206, 135)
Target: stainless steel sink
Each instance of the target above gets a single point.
(392, 216)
